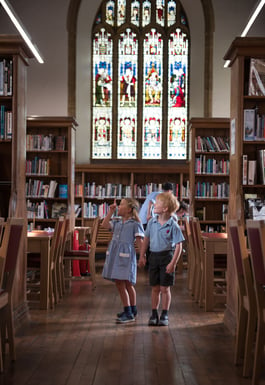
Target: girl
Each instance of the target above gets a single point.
(121, 264)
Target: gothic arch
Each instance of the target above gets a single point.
(72, 19)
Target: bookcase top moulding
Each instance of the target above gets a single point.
(246, 47)
(14, 44)
(51, 121)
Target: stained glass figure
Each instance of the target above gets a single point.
(171, 13)
(160, 12)
(152, 134)
(127, 134)
(135, 12)
(127, 95)
(102, 95)
(146, 13)
(177, 91)
(102, 135)
(110, 12)
(121, 11)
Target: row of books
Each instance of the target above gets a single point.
(203, 165)
(45, 142)
(38, 166)
(111, 190)
(37, 188)
(92, 210)
(254, 125)
(6, 123)
(253, 171)
(6, 77)
(41, 210)
(211, 190)
(212, 143)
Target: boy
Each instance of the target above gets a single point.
(164, 237)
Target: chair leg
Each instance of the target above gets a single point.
(250, 341)
(258, 358)
(240, 335)
(10, 332)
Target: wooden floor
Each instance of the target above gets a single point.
(79, 343)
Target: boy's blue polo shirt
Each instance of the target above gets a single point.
(163, 237)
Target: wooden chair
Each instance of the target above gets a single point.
(247, 310)
(256, 239)
(199, 256)
(56, 247)
(191, 258)
(60, 263)
(70, 255)
(13, 242)
(34, 264)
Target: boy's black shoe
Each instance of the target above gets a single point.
(153, 320)
(163, 320)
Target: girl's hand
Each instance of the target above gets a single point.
(113, 207)
(142, 261)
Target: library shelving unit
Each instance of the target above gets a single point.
(240, 53)
(98, 184)
(14, 62)
(209, 172)
(50, 145)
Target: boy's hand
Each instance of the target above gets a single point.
(170, 268)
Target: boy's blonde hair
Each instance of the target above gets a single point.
(134, 205)
(169, 201)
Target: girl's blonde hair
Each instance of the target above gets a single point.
(134, 205)
(169, 201)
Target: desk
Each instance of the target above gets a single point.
(40, 242)
(214, 243)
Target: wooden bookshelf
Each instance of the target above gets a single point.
(240, 53)
(209, 172)
(134, 181)
(99, 184)
(14, 62)
(50, 169)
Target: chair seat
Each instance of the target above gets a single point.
(71, 254)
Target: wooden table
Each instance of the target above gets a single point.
(214, 243)
(40, 242)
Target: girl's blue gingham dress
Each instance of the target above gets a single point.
(121, 260)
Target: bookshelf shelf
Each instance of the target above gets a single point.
(43, 189)
(210, 204)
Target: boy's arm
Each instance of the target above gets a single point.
(144, 246)
(171, 267)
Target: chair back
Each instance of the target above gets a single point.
(57, 239)
(239, 251)
(14, 248)
(256, 239)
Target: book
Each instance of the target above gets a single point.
(261, 165)
(256, 77)
(252, 171)
(249, 124)
(245, 169)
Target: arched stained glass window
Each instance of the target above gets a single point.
(140, 80)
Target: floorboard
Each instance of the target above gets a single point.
(79, 342)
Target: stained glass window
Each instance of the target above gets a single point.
(140, 64)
